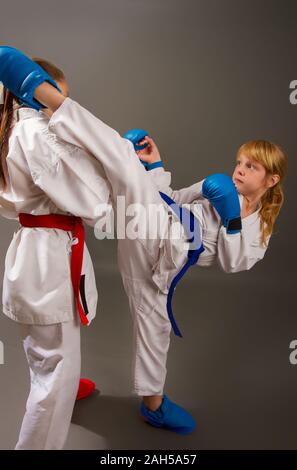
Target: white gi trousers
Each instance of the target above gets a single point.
(151, 326)
(53, 354)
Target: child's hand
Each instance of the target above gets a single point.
(151, 153)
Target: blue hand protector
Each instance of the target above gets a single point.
(22, 76)
(135, 136)
(221, 192)
(169, 416)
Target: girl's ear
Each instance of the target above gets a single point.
(273, 180)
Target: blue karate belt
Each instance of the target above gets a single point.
(191, 226)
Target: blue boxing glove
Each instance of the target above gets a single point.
(221, 192)
(135, 136)
(22, 76)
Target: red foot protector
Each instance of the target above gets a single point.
(85, 389)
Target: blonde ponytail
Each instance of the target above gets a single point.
(275, 161)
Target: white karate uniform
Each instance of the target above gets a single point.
(148, 265)
(47, 176)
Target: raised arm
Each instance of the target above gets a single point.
(150, 155)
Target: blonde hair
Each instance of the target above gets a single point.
(7, 110)
(275, 162)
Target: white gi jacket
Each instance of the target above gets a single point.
(47, 176)
(232, 252)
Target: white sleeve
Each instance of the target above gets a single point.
(162, 180)
(240, 251)
(71, 177)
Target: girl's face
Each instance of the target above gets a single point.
(251, 178)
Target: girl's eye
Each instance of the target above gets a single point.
(251, 166)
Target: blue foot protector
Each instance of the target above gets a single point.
(169, 416)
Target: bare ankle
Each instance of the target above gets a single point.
(153, 402)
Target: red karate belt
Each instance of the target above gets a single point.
(67, 223)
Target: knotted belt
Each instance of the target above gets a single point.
(67, 223)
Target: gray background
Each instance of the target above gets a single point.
(203, 77)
